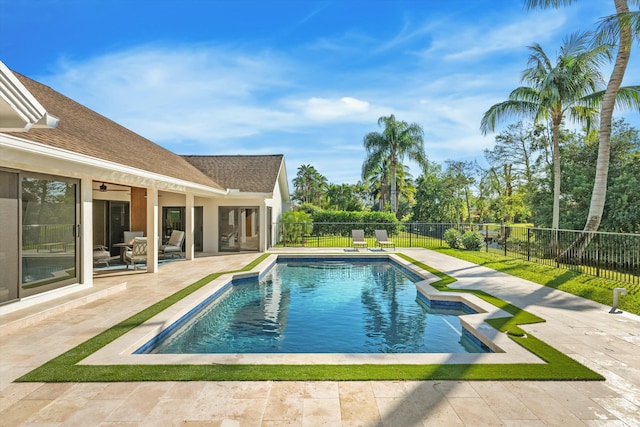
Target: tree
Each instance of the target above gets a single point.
(520, 147)
(345, 197)
(433, 201)
(514, 160)
(623, 208)
(580, 153)
(505, 198)
(567, 87)
(461, 174)
(310, 185)
(398, 139)
(440, 195)
(376, 178)
(622, 26)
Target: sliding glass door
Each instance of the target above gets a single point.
(9, 243)
(49, 237)
(238, 229)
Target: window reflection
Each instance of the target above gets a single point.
(49, 212)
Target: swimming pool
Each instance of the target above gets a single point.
(303, 305)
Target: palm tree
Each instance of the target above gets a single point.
(376, 178)
(309, 185)
(623, 26)
(567, 87)
(399, 139)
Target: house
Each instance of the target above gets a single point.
(71, 179)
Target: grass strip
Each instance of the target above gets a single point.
(64, 368)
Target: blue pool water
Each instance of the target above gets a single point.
(321, 307)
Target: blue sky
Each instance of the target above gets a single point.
(307, 79)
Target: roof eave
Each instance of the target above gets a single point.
(19, 109)
(105, 170)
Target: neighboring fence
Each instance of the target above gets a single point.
(613, 256)
(47, 236)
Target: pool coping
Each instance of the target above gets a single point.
(506, 351)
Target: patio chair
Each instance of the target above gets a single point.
(138, 252)
(101, 254)
(357, 237)
(382, 240)
(174, 245)
(130, 235)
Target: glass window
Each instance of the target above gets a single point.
(49, 243)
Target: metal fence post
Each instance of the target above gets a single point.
(504, 239)
(597, 255)
(486, 237)
(410, 235)
(528, 244)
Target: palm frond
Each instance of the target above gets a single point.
(504, 111)
(545, 4)
(608, 31)
(628, 98)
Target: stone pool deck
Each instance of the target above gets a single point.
(607, 343)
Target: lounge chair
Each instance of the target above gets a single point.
(357, 237)
(382, 240)
(174, 245)
(138, 252)
(101, 254)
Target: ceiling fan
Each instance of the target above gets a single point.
(103, 188)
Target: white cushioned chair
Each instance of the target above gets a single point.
(138, 252)
(174, 245)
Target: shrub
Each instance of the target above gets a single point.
(296, 225)
(453, 238)
(472, 240)
(332, 222)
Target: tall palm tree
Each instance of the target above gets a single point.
(397, 140)
(624, 25)
(568, 87)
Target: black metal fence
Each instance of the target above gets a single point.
(613, 256)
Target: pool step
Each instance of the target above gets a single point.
(32, 313)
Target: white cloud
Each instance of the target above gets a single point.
(329, 109)
(180, 92)
(460, 42)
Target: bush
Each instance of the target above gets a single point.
(453, 238)
(472, 240)
(295, 225)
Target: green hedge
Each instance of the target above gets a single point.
(333, 222)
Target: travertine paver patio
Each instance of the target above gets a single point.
(607, 343)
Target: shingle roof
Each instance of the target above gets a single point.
(252, 174)
(84, 131)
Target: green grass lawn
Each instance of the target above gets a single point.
(573, 282)
(65, 368)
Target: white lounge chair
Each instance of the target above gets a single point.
(357, 237)
(382, 240)
(174, 245)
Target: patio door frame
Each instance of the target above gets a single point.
(236, 229)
